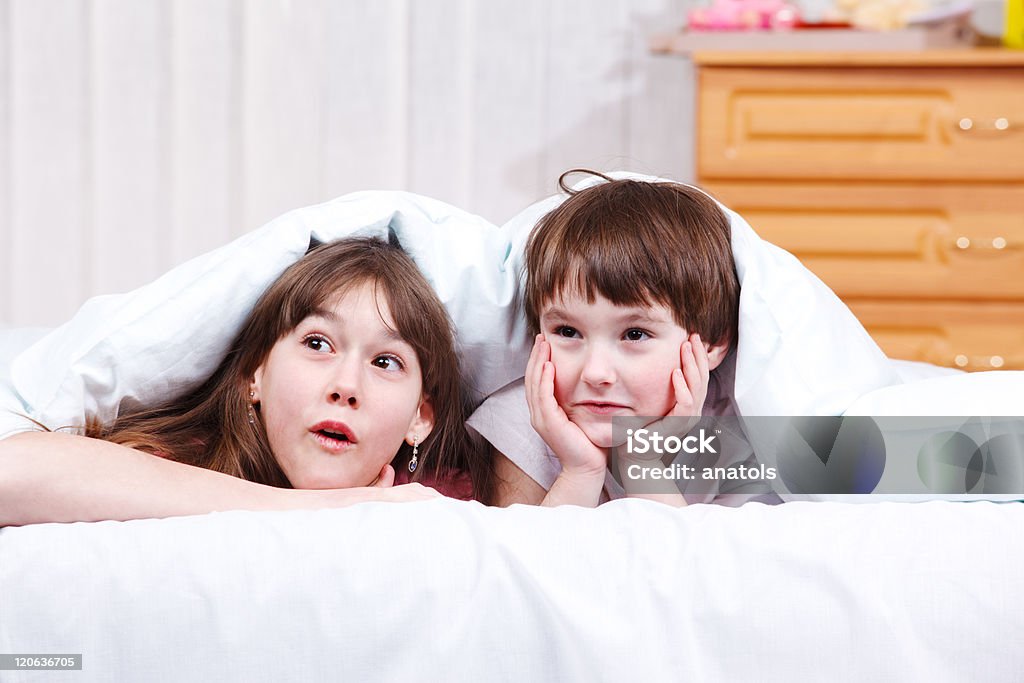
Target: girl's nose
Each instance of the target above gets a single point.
(345, 383)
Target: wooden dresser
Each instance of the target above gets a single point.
(897, 177)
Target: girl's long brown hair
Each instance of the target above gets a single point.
(210, 427)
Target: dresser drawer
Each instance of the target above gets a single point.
(861, 123)
(967, 336)
(886, 241)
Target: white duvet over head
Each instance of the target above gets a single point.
(801, 351)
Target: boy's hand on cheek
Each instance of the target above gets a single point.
(690, 383)
(577, 453)
(690, 386)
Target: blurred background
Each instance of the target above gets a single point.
(880, 141)
(135, 134)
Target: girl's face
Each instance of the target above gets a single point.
(340, 393)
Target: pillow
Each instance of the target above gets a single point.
(164, 338)
(912, 371)
(12, 410)
(957, 395)
(13, 342)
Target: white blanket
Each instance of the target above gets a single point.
(455, 591)
(801, 351)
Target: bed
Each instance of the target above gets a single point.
(452, 590)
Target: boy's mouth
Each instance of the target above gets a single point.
(601, 407)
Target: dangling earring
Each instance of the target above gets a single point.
(252, 413)
(415, 450)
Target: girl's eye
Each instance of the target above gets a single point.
(566, 331)
(635, 335)
(389, 363)
(317, 343)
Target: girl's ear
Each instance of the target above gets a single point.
(255, 384)
(423, 423)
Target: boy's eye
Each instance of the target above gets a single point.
(566, 331)
(389, 363)
(317, 343)
(635, 335)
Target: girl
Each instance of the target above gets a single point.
(344, 373)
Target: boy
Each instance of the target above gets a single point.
(633, 295)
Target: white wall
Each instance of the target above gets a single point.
(135, 134)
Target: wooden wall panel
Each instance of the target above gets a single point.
(135, 134)
(442, 47)
(128, 131)
(6, 234)
(367, 82)
(204, 184)
(661, 106)
(283, 107)
(586, 86)
(509, 101)
(50, 160)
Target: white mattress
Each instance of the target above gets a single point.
(447, 590)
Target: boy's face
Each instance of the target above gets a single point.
(611, 360)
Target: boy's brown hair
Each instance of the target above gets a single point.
(637, 243)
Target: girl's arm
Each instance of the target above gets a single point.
(54, 477)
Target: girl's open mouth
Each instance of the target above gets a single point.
(334, 435)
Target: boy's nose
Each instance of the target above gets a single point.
(598, 368)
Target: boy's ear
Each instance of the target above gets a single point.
(716, 354)
(423, 423)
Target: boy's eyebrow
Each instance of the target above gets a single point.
(644, 318)
(554, 312)
(638, 315)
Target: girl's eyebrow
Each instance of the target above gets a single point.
(330, 316)
(324, 313)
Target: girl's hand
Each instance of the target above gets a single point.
(577, 454)
(386, 478)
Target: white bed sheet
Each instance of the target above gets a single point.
(447, 590)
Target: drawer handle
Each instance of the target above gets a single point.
(1000, 124)
(978, 362)
(1000, 243)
